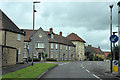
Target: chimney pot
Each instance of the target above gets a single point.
(51, 30)
(90, 45)
(60, 33)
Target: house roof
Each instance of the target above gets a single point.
(75, 37)
(28, 34)
(8, 24)
(57, 38)
(93, 50)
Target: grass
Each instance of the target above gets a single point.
(29, 72)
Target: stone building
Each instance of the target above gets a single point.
(54, 45)
(93, 51)
(12, 41)
(80, 46)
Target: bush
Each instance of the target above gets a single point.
(34, 59)
(51, 59)
(100, 59)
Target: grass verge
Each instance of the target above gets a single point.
(29, 72)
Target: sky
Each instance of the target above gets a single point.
(90, 20)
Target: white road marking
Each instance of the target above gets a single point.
(87, 70)
(96, 76)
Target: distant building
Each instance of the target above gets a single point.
(80, 46)
(106, 54)
(93, 51)
(12, 41)
(54, 45)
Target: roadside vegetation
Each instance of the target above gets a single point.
(30, 72)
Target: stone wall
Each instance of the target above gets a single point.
(8, 56)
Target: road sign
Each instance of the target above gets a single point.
(27, 49)
(115, 65)
(113, 38)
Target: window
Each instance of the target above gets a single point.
(18, 36)
(24, 55)
(18, 51)
(51, 55)
(25, 45)
(56, 54)
(56, 46)
(52, 36)
(69, 48)
(40, 45)
(66, 47)
(51, 45)
(60, 46)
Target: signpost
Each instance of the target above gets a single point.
(113, 38)
(115, 65)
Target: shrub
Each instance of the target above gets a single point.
(51, 59)
(34, 59)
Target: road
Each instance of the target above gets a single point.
(81, 70)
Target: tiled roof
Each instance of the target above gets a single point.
(28, 34)
(8, 24)
(93, 50)
(57, 38)
(97, 50)
(75, 37)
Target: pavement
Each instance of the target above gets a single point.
(15, 67)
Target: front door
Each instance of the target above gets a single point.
(17, 56)
(39, 55)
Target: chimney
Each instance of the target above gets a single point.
(98, 47)
(51, 29)
(60, 33)
(90, 45)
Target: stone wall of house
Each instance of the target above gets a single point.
(80, 50)
(11, 40)
(8, 56)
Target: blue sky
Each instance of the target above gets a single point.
(90, 20)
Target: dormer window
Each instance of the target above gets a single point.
(52, 36)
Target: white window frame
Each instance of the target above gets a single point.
(18, 37)
(56, 54)
(56, 46)
(52, 36)
(39, 45)
(60, 46)
(51, 45)
(66, 48)
(51, 55)
(19, 52)
(69, 48)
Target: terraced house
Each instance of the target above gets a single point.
(12, 41)
(47, 42)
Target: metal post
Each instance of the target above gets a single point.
(33, 29)
(111, 6)
(114, 47)
(119, 26)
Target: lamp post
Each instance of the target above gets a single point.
(33, 28)
(111, 6)
(119, 26)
